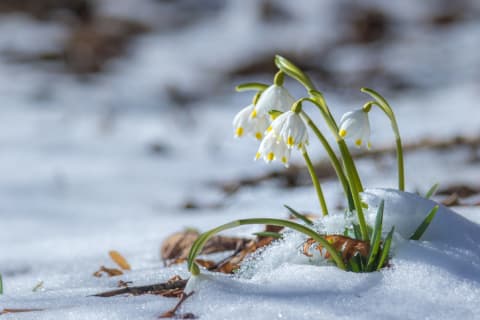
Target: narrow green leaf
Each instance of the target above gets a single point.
(251, 86)
(202, 239)
(299, 216)
(357, 231)
(433, 189)
(355, 263)
(424, 225)
(385, 249)
(376, 237)
(275, 235)
(1, 284)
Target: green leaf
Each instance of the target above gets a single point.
(433, 189)
(355, 263)
(299, 216)
(251, 86)
(202, 239)
(376, 237)
(385, 249)
(293, 71)
(275, 235)
(357, 231)
(1, 284)
(424, 225)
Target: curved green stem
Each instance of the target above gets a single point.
(320, 103)
(333, 159)
(352, 173)
(202, 240)
(316, 182)
(385, 107)
(349, 167)
(251, 86)
(293, 71)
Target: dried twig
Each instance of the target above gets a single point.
(166, 289)
(172, 313)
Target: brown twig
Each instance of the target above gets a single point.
(166, 289)
(172, 312)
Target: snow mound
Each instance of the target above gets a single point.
(406, 211)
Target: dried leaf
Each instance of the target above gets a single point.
(123, 284)
(6, 310)
(119, 260)
(176, 247)
(111, 272)
(172, 288)
(346, 245)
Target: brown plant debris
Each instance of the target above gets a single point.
(176, 247)
(123, 284)
(11, 310)
(346, 245)
(111, 272)
(172, 288)
(119, 260)
(172, 313)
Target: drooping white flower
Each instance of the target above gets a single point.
(245, 123)
(274, 97)
(355, 125)
(271, 148)
(194, 283)
(291, 129)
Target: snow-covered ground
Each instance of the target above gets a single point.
(79, 174)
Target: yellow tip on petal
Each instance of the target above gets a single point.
(258, 155)
(343, 133)
(284, 160)
(300, 145)
(358, 142)
(259, 135)
(253, 114)
(269, 128)
(290, 141)
(270, 156)
(239, 132)
(369, 145)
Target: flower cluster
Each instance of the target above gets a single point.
(279, 133)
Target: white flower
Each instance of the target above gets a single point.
(355, 125)
(273, 98)
(194, 283)
(271, 148)
(245, 123)
(291, 129)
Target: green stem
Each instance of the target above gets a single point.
(317, 98)
(319, 102)
(202, 240)
(349, 167)
(316, 182)
(1, 284)
(333, 159)
(385, 107)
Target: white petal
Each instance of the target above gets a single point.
(274, 98)
(241, 121)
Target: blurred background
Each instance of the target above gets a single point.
(115, 115)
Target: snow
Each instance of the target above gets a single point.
(79, 177)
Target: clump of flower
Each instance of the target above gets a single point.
(282, 124)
